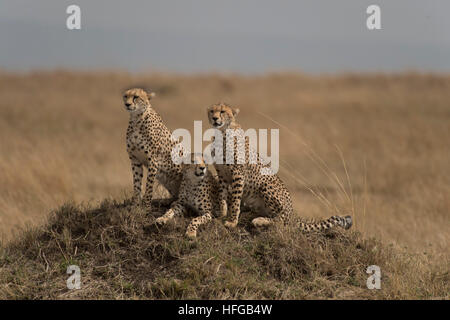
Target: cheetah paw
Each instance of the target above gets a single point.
(161, 220)
(191, 234)
(223, 208)
(260, 222)
(230, 224)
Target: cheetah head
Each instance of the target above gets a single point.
(221, 115)
(137, 100)
(197, 169)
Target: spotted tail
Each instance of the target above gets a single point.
(322, 225)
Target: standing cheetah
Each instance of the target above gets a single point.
(263, 193)
(149, 143)
(199, 191)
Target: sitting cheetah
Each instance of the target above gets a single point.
(263, 193)
(199, 191)
(149, 143)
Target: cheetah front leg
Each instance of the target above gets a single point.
(137, 170)
(237, 189)
(223, 198)
(151, 177)
(191, 231)
(176, 209)
(222, 192)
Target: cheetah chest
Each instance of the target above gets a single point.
(136, 146)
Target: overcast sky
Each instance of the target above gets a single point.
(249, 36)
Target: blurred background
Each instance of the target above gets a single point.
(252, 36)
(363, 114)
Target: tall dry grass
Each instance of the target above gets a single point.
(376, 145)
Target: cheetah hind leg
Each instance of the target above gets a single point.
(266, 207)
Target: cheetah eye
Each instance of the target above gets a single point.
(222, 111)
(135, 97)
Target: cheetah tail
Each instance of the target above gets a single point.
(322, 225)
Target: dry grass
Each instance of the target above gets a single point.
(377, 145)
(123, 255)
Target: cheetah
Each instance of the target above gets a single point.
(200, 192)
(262, 193)
(149, 144)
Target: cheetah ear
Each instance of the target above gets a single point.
(150, 95)
(235, 111)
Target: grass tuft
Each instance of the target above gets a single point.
(123, 255)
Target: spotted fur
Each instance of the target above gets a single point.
(149, 144)
(199, 191)
(265, 194)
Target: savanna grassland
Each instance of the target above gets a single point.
(375, 146)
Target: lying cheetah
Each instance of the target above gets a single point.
(263, 193)
(149, 143)
(199, 191)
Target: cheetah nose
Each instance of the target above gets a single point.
(215, 118)
(128, 104)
